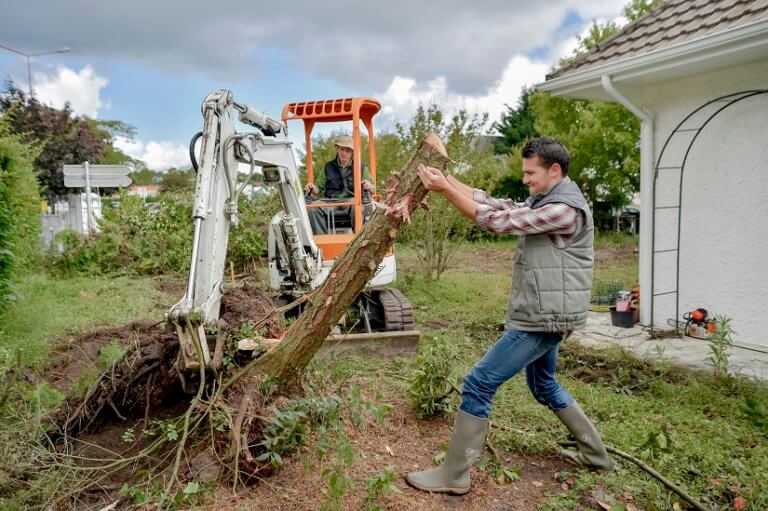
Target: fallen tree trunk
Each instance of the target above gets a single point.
(324, 307)
(355, 267)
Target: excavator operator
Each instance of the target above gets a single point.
(336, 182)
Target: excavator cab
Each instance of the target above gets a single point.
(381, 308)
(344, 217)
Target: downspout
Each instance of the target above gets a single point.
(647, 200)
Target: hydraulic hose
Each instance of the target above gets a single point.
(192, 149)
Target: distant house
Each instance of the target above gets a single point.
(696, 73)
(144, 191)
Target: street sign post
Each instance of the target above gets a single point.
(100, 176)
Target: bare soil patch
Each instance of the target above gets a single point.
(614, 254)
(408, 444)
(484, 260)
(176, 287)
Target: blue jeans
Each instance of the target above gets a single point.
(515, 350)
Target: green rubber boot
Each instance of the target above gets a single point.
(591, 452)
(464, 448)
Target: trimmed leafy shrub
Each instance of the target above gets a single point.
(19, 210)
(156, 238)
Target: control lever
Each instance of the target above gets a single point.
(368, 206)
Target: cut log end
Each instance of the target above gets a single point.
(437, 145)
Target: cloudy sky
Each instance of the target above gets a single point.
(150, 64)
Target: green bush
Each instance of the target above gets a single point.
(435, 378)
(19, 210)
(157, 238)
(248, 243)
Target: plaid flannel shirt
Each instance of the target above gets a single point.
(559, 221)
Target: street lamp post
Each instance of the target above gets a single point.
(64, 49)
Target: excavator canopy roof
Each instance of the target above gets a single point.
(332, 110)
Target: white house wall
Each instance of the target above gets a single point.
(724, 230)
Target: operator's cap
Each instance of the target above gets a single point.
(345, 141)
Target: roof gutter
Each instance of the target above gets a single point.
(722, 43)
(647, 199)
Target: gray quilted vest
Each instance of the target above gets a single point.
(552, 286)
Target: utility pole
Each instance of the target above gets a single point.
(64, 49)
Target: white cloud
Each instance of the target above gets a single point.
(467, 42)
(404, 95)
(82, 89)
(157, 155)
(564, 48)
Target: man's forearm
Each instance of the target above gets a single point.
(463, 203)
(461, 187)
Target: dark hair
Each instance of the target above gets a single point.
(550, 150)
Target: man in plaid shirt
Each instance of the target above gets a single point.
(549, 299)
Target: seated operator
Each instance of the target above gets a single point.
(336, 182)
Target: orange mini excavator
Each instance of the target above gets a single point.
(299, 260)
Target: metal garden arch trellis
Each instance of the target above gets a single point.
(685, 133)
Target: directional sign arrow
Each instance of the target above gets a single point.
(97, 170)
(98, 181)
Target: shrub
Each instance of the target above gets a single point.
(19, 210)
(434, 380)
(157, 238)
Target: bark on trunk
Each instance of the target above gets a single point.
(355, 267)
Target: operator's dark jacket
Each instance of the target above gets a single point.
(338, 182)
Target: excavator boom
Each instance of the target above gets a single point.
(215, 210)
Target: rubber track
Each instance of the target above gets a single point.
(398, 311)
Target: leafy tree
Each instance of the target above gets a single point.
(516, 124)
(603, 137)
(19, 209)
(61, 138)
(604, 142)
(600, 31)
(437, 233)
(639, 8)
(107, 130)
(510, 184)
(145, 177)
(177, 181)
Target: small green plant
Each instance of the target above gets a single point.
(128, 436)
(500, 472)
(168, 429)
(756, 412)
(110, 354)
(380, 485)
(719, 343)
(139, 497)
(438, 458)
(44, 398)
(657, 443)
(84, 382)
(285, 432)
(339, 483)
(433, 383)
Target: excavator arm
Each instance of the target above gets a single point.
(215, 210)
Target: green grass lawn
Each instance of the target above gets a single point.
(48, 308)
